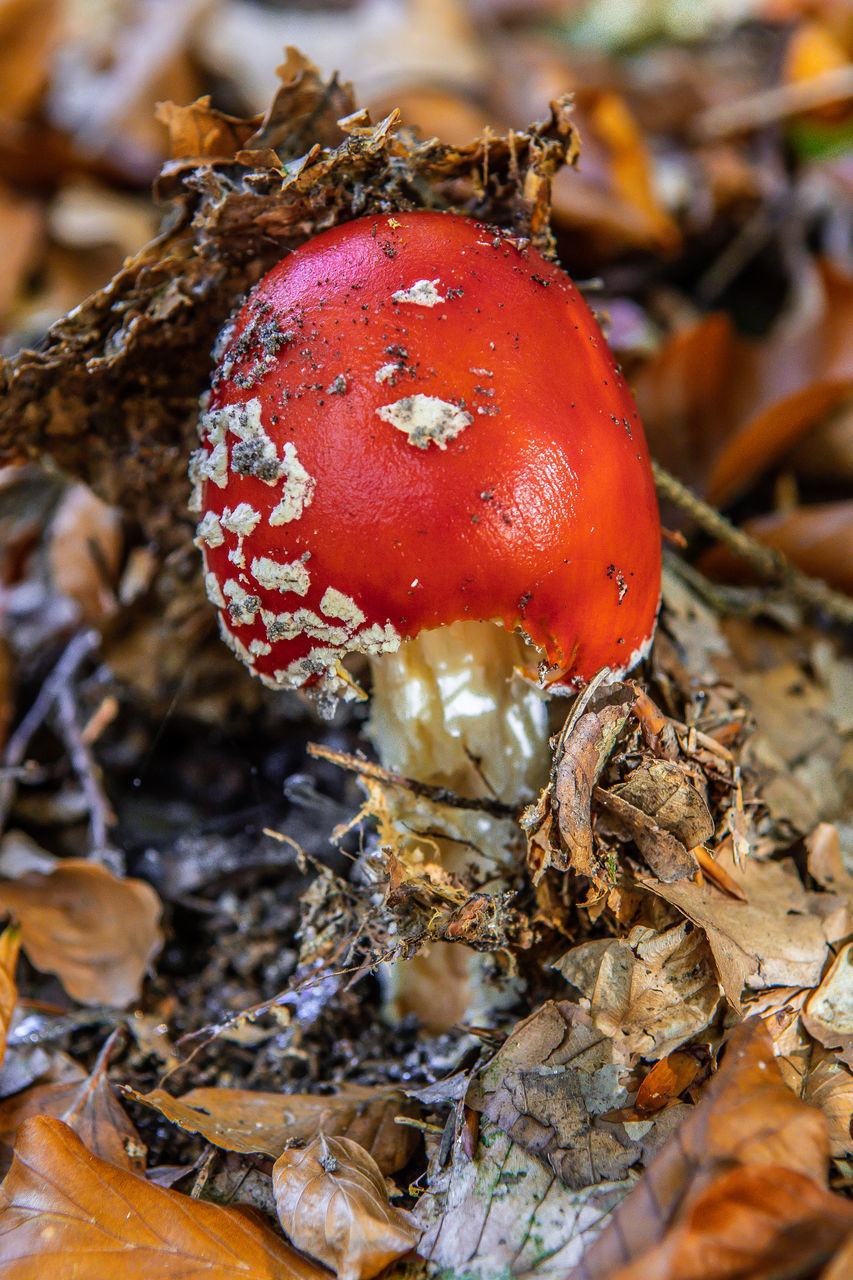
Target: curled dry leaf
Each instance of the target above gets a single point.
(62, 1207)
(667, 1079)
(663, 791)
(585, 751)
(649, 992)
(662, 851)
(748, 1123)
(95, 931)
(247, 1121)
(333, 1203)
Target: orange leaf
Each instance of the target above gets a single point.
(10, 945)
(66, 1214)
(96, 932)
(333, 1203)
(666, 1080)
(749, 1121)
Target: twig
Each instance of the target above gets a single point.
(759, 109)
(77, 650)
(438, 795)
(766, 561)
(101, 816)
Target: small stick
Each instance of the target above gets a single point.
(438, 795)
(770, 105)
(765, 560)
(77, 650)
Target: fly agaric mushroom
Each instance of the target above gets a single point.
(416, 431)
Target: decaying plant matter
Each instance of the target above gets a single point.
(669, 932)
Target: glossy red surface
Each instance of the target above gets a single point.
(541, 512)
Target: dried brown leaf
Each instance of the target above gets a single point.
(667, 1079)
(661, 850)
(663, 791)
(88, 1105)
(548, 1087)
(64, 1210)
(757, 1222)
(333, 1203)
(828, 1014)
(649, 992)
(248, 1121)
(825, 861)
(507, 1214)
(828, 1085)
(585, 753)
(772, 939)
(719, 409)
(96, 932)
(10, 945)
(30, 32)
(200, 130)
(748, 1123)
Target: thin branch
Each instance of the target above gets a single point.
(76, 652)
(438, 795)
(766, 561)
(760, 109)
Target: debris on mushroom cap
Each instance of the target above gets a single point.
(415, 421)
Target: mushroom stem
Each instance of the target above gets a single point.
(449, 709)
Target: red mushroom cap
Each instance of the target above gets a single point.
(414, 421)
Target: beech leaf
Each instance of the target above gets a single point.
(67, 1214)
(333, 1203)
(748, 1123)
(10, 945)
(253, 1121)
(95, 931)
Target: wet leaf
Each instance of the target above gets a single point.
(333, 1203)
(96, 932)
(248, 1121)
(62, 1207)
(649, 992)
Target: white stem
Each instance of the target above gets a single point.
(448, 709)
